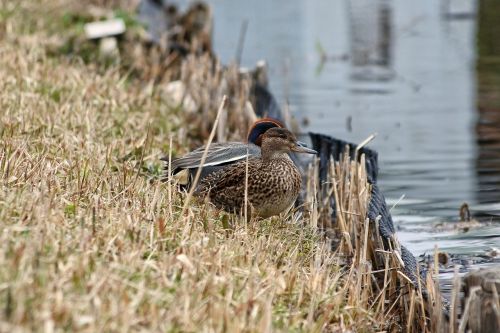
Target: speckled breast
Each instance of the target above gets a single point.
(274, 188)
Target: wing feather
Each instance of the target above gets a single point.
(218, 153)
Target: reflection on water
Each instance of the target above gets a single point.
(370, 40)
(488, 125)
(403, 69)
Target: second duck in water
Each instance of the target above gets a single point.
(274, 181)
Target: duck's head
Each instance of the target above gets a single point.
(464, 213)
(260, 127)
(277, 141)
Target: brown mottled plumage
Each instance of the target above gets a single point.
(273, 179)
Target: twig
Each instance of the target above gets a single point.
(170, 210)
(465, 316)
(397, 203)
(204, 157)
(246, 188)
(366, 141)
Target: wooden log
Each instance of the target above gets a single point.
(481, 306)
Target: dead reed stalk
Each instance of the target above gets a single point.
(376, 276)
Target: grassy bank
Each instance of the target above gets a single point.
(91, 240)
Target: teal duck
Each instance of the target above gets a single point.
(274, 181)
(220, 155)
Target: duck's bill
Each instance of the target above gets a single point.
(301, 147)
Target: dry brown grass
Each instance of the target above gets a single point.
(377, 284)
(91, 240)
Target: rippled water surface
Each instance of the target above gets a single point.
(410, 71)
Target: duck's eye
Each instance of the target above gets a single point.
(282, 136)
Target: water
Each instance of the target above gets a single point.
(404, 70)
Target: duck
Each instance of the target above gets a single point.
(273, 181)
(466, 222)
(220, 155)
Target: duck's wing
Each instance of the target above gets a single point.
(218, 153)
(226, 187)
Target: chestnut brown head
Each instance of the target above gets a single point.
(260, 127)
